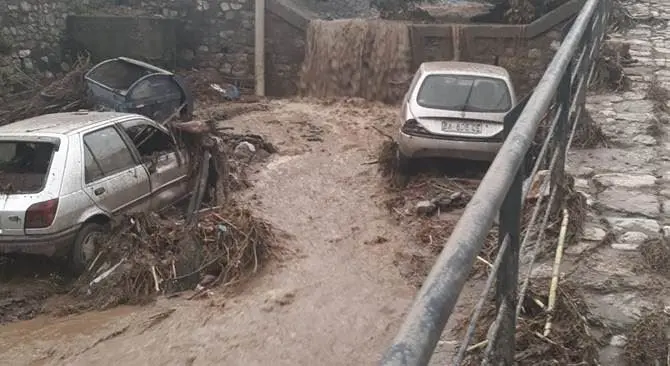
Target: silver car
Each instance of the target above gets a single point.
(64, 177)
(455, 110)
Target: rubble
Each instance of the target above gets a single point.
(66, 94)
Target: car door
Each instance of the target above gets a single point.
(113, 178)
(167, 166)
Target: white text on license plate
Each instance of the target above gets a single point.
(474, 128)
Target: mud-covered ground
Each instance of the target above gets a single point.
(337, 293)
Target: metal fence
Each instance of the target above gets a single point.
(553, 110)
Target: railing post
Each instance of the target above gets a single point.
(562, 129)
(508, 275)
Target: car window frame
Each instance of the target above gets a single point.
(174, 146)
(55, 142)
(105, 175)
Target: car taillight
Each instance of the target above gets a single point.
(412, 127)
(41, 215)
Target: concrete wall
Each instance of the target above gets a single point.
(524, 50)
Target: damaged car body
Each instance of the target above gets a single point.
(126, 85)
(65, 177)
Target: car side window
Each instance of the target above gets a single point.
(105, 153)
(149, 140)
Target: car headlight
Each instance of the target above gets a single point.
(412, 127)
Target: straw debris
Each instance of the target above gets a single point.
(656, 255)
(609, 72)
(570, 341)
(647, 341)
(62, 95)
(157, 255)
(588, 134)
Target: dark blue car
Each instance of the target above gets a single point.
(126, 85)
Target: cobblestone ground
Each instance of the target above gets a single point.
(628, 187)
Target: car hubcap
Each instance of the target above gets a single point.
(89, 246)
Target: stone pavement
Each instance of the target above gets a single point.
(627, 186)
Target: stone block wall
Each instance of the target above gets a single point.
(209, 34)
(30, 40)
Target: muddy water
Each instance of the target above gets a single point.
(334, 299)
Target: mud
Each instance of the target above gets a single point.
(29, 286)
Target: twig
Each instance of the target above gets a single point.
(90, 268)
(383, 133)
(554, 277)
(106, 273)
(484, 261)
(477, 346)
(155, 276)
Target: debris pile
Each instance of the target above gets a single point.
(149, 255)
(357, 58)
(647, 341)
(62, 95)
(216, 241)
(564, 338)
(656, 255)
(572, 200)
(588, 134)
(210, 86)
(609, 67)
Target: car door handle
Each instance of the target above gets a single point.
(99, 191)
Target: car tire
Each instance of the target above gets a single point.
(82, 253)
(402, 169)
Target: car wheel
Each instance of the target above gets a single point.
(402, 171)
(86, 246)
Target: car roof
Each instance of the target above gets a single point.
(468, 68)
(59, 123)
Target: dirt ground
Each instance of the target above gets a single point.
(336, 295)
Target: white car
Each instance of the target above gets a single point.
(64, 177)
(454, 110)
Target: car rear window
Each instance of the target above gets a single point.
(465, 93)
(24, 166)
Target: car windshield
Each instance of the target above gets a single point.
(464, 93)
(24, 166)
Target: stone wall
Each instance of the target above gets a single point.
(209, 34)
(30, 40)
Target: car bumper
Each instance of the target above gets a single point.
(47, 244)
(426, 147)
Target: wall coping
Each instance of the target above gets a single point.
(532, 30)
(291, 13)
(300, 18)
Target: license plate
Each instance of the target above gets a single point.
(472, 128)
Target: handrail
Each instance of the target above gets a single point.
(500, 192)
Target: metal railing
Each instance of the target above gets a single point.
(554, 108)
